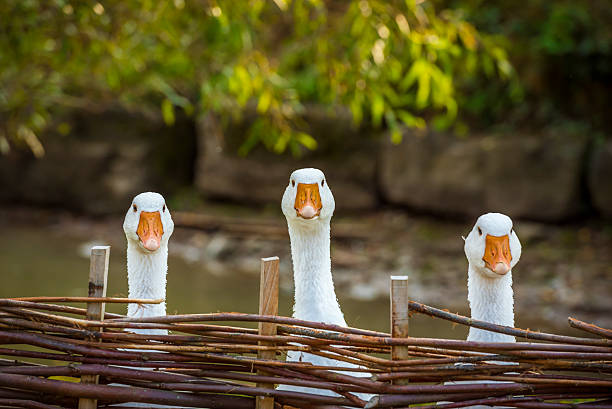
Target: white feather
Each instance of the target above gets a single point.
(315, 297)
(490, 295)
(147, 269)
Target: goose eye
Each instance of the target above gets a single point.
(135, 207)
(512, 230)
(163, 208)
(323, 183)
(293, 183)
(479, 231)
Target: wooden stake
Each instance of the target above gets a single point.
(98, 276)
(399, 319)
(268, 305)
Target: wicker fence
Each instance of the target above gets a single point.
(62, 356)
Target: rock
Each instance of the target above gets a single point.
(105, 160)
(533, 177)
(600, 177)
(69, 175)
(346, 157)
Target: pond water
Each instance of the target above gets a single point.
(43, 261)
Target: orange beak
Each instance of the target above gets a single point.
(497, 255)
(307, 200)
(150, 230)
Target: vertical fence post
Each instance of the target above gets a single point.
(399, 319)
(98, 276)
(268, 305)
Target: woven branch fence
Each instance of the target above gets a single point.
(57, 356)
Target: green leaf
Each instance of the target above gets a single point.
(281, 143)
(377, 109)
(167, 111)
(306, 140)
(396, 136)
(410, 120)
(264, 102)
(423, 90)
(414, 73)
(356, 110)
(468, 35)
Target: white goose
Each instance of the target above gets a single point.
(308, 205)
(148, 227)
(492, 249)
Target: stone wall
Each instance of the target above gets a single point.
(532, 176)
(347, 157)
(105, 160)
(527, 176)
(111, 156)
(600, 178)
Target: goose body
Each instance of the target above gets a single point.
(308, 206)
(492, 249)
(148, 226)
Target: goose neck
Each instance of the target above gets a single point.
(315, 297)
(491, 300)
(147, 279)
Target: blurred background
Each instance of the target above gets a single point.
(422, 114)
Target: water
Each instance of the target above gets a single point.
(42, 261)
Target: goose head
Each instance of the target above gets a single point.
(148, 224)
(308, 198)
(492, 247)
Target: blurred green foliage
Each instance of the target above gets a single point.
(562, 52)
(390, 62)
(440, 63)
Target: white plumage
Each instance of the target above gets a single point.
(492, 249)
(489, 293)
(147, 268)
(308, 205)
(148, 227)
